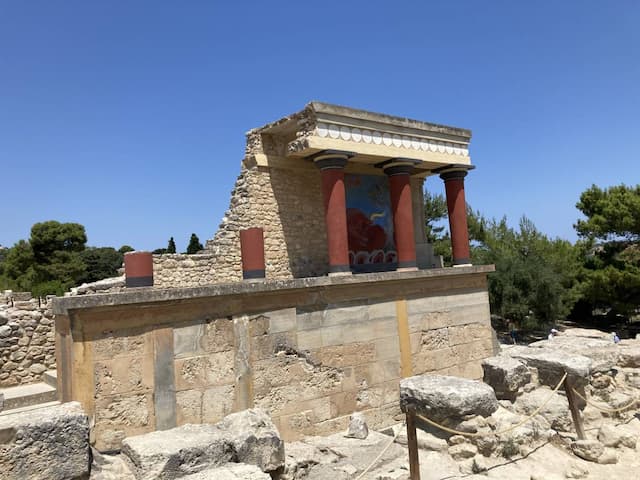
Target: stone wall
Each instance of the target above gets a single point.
(310, 351)
(27, 341)
(182, 270)
(288, 205)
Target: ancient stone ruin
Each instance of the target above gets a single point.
(315, 299)
(341, 298)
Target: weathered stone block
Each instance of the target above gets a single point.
(505, 375)
(246, 437)
(217, 402)
(51, 443)
(204, 371)
(442, 397)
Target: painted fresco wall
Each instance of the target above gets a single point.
(370, 223)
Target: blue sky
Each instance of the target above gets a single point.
(129, 117)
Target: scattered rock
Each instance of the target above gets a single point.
(246, 437)
(230, 471)
(51, 443)
(556, 411)
(505, 375)
(357, 427)
(463, 451)
(445, 398)
(576, 470)
(589, 450)
(426, 441)
(552, 364)
(608, 457)
(255, 439)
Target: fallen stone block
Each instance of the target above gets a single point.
(589, 450)
(255, 439)
(357, 427)
(552, 364)
(447, 398)
(629, 356)
(176, 452)
(505, 375)
(46, 443)
(244, 437)
(230, 471)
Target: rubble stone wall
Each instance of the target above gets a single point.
(27, 341)
(311, 353)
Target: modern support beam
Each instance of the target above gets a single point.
(402, 208)
(331, 164)
(457, 207)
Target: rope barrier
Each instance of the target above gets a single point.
(513, 427)
(359, 477)
(603, 409)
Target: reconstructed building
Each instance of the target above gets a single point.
(344, 299)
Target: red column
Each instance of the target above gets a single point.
(252, 251)
(402, 209)
(138, 269)
(331, 166)
(457, 207)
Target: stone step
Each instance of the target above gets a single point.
(27, 395)
(29, 408)
(50, 377)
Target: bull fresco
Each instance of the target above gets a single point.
(369, 223)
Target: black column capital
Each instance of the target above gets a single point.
(398, 166)
(453, 175)
(327, 159)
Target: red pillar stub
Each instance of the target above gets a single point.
(252, 251)
(331, 165)
(457, 208)
(138, 269)
(402, 210)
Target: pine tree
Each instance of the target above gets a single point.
(171, 248)
(194, 244)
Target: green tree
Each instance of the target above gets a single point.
(100, 262)
(611, 248)
(171, 247)
(194, 244)
(19, 267)
(159, 251)
(435, 210)
(536, 278)
(125, 249)
(56, 250)
(49, 237)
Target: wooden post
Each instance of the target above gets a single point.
(573, 406)
(412, 443)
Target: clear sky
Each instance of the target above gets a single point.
(129, 117)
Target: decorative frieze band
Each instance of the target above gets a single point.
(354, 134)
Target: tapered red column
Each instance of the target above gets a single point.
(331, 166)
(402, 210)
(252, 253)
(457, 207)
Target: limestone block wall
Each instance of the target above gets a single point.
(310, 351)
(27, 341)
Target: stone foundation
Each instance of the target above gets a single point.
(310, 351)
